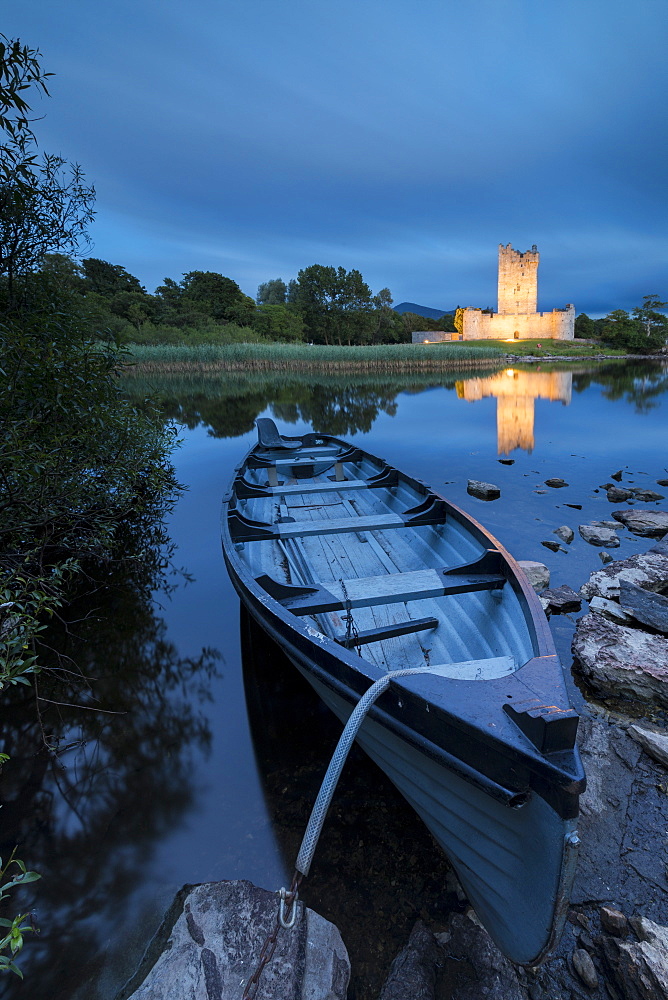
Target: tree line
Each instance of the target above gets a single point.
(642, 331)
(322, 305)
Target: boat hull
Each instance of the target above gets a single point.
(484, 755)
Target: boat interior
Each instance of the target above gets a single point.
(375, 561)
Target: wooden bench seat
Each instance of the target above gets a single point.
(370, 591)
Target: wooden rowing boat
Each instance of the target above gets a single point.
(357, 570)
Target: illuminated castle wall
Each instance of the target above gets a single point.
(515, 393)
(517, 318)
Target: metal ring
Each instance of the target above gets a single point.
(288, 924)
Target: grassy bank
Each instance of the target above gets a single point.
(551, 348)
(305, 357)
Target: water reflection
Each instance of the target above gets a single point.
(372, 848)
(93, 787)
(229, 404)
(639, 383)
(515, 392)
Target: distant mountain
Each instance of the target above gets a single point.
(427, 311)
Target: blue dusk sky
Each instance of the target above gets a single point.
(405, 139)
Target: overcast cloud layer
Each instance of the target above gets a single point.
(406, 139)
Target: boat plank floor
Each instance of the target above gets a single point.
(331, 560)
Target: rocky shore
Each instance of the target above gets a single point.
(616, 939)
(615, 944)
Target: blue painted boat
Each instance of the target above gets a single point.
(356, 570)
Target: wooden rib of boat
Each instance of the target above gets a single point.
(356, 569)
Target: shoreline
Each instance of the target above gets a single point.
(371, 367)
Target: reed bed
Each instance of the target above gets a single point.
(139, 382)
(304, 357)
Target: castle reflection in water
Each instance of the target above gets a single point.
(515, 393)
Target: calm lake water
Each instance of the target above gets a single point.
(200, 780)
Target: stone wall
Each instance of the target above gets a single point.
(556, 325)
(431, 336)
(518, 280)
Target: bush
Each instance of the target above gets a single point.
(86, 477)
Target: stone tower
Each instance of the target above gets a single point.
(518, 280)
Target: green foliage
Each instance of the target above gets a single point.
(278, 322)
(216, 296)
(587, 328)
(272, 293)
(11, 935)
(299, 356)
(20, 70)
(645, 332)
(650, 316)
(49, 214)
(108, 279)
(335, 304)
(77, 460)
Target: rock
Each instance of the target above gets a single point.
(646, 496)
(584, 966)
(474, 967)
(484, 491)
(613, 921)
(413, 972)
(616, 475)
(611, 610)
(565, 533)
(661, 546)
(210, 941)
(586, 941)
(554, 546)
(655, 744)
(605, 557)
(639, 969)
(618, 495)
(621, 661)
(605, 524)
(556, 483)
(649, 523)
(537, 573)
(598, 536)
(562, 599)
(646, 607)
(575, 506)
(646, 569)
(662, 482)
(507, 461)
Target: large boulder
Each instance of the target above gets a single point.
(646, 607)
(596, 535)
(474, 967)
(621, 662)
(650, 523)
(536, 573)
(646, 569)
(617, 494)
(565, 533)
(211, 939)
(652, 742)
(413, 972)
(562, 600)
(639, 969)
(484, 491)
(646, 496)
